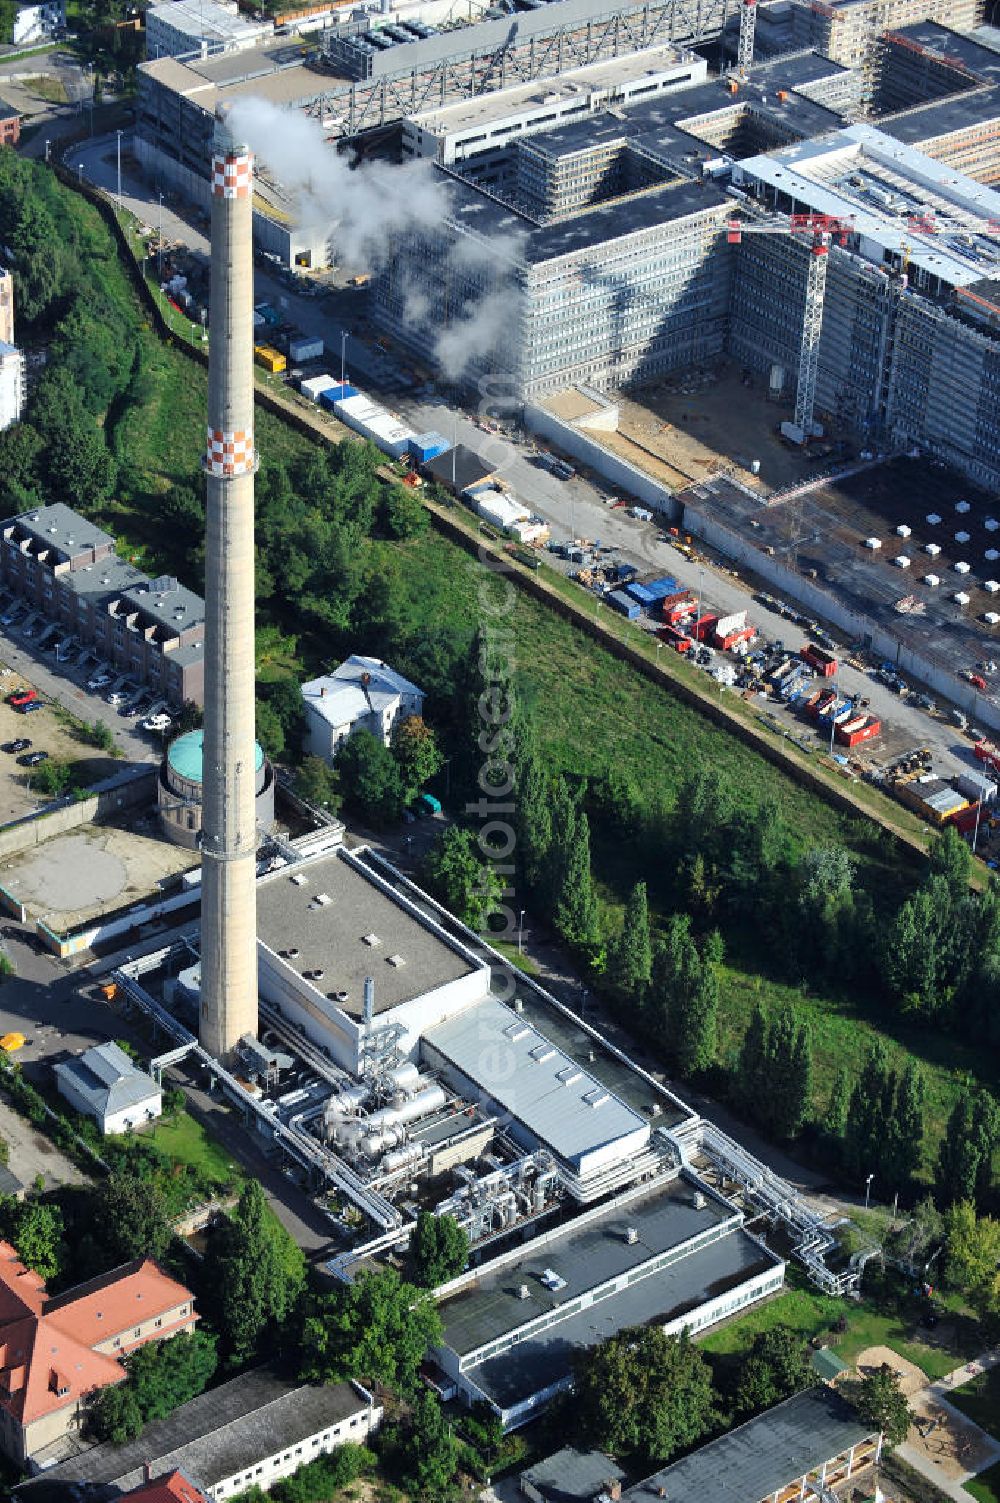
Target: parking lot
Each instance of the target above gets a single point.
(44, 731)
(65, 673)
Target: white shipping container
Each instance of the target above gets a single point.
(727, 624)
(975, 785)
(312, 386)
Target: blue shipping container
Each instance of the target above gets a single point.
(619, 601)
(639, 592)
(427, 446)
(659, 589)
(335, 394)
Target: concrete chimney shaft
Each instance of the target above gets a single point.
(229, 837)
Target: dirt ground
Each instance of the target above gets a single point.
(701, 426)
(93, 870)
(46, 732)
(938, 1432)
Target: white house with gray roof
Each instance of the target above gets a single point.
(363, 694)
(103, 1083)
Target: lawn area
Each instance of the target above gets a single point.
(185, 1141)
(813, 1314)
(980, 1400)
(985, 1487)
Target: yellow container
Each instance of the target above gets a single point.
(271, 360)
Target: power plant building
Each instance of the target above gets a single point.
(179, 790)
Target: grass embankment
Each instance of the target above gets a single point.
(980, 1400)
(185, 1141)
(591, 711)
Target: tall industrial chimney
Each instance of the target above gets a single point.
(229, 837)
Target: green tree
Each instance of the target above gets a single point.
(972, 1252)
(869, 1113)
(439, 1249)
(431, 1451)
(776, 1366)
(379, 1327)
(573, 902)
(902, 1150)
(835, 1120)
(369, 777)
(35, 1228)
(417, 754)
(270, 732)
(630, 953)
(965, 1157)
(255, 1274)
(160, 1377)
(318, 784)
(284, 698)
(643, 1394)
(404, 514)
(880, 1403)
(457, 875)
(128, 1219)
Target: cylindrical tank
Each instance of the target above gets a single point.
(401, 1157)
(406, 1076)
(428, 1100)
(347, 1100)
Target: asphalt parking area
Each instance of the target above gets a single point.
(46, 732)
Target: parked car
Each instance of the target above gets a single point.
(21, 744)
(32, 759)
(20, 697)
(99, 681)
(157, 723)
(30, 707)
(116, 697)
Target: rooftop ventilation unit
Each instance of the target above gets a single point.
(323, 898)
(371, 940)
(631, 1235)
(297, 878)
(395, 960)
(523, 1292)
(962, 507)
(698, 1200)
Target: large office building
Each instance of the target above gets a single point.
(69, 573)
(183, 28)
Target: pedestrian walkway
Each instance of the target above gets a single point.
(934, 1411)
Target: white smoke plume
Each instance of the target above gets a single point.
(366, 207)
(370, 208)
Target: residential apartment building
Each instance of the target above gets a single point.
(57, 1350)
(151, 629)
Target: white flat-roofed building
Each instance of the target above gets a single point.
(201, 28)
(677, 1256)
(11, 384)
(362, 694)
(325, 925)
(473, 133)
(494, 1055)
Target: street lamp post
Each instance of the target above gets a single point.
(343, 347)
(119, 159)
(159, 244)
(833, 718)
(868, 1188)
(79, 168)
(48, 149)
(520, 926)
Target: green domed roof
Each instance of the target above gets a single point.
(184, 756)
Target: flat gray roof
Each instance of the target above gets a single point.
(167, 602)
(553, 1096)
(538, 1362)
(330, 937)
(585, 1256)
(571, 1474)
(108, 578)
(762, 1456)
(957, 48)
(212, 1437)
(59, 526)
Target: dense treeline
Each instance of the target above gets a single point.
(730, 879)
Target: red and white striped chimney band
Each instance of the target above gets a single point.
(232, 175)
(229, 453)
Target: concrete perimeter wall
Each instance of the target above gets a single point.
(132, 787)
(589, 451)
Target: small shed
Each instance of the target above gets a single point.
(572, 1476)
(103, 1083)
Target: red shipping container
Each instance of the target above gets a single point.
(855, 738)
(745, 634)
(703, 628)
(823, 662)
(965, 820)
(677, 639)
(988, 753)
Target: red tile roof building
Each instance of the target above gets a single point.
(56, 1350)
(173, 1489)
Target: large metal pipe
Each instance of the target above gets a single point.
(380, 1130)
(229, 836)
